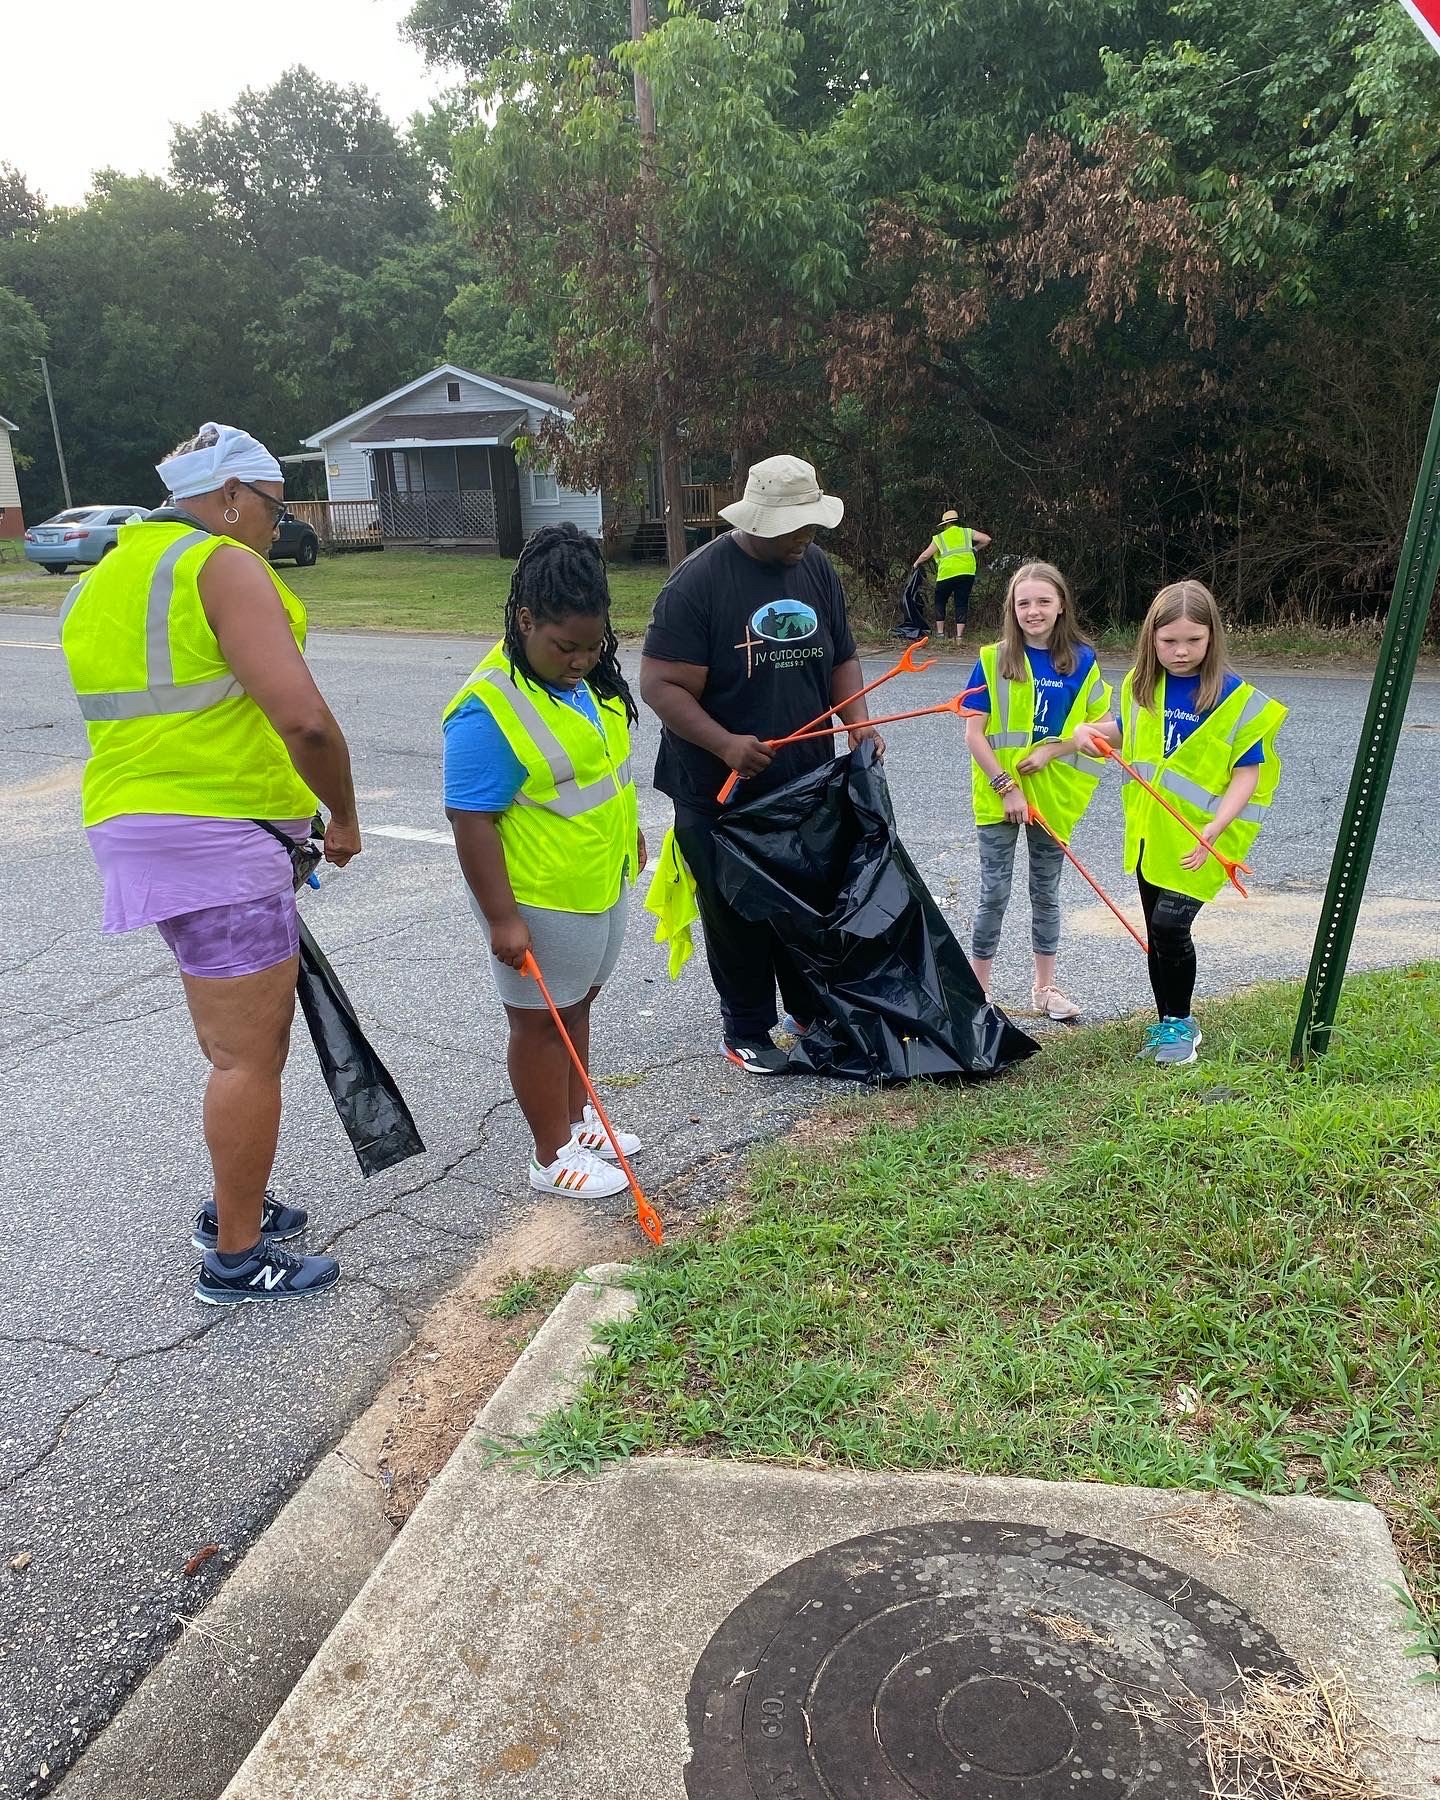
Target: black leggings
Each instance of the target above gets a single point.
(1168, 918)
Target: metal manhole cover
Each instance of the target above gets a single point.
(969, 1660)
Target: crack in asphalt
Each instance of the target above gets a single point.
(29, 1047)
(118, 1365)
(35, 955)
(392, 1208)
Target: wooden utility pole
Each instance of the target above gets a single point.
(672, 487)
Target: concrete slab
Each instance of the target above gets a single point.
(542, 1638)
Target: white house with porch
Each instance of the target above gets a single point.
(12, 522)
(434, 462)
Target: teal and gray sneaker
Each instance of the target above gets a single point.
(1146, 1052)
(1179, 1041)
(266, 1273)
(277, 1223)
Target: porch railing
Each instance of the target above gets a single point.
(341, 524)
(467, 515)
(703, 500)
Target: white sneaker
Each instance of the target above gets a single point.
(591, 1135)
(576, 1171)
(1053, 1004)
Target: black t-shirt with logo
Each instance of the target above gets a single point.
(770, 637)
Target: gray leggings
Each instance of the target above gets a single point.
(997, 866)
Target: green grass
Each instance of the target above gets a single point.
(464, 594)
(418, 590)
(1023, 1277)
(522, 1292)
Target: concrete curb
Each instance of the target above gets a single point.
(195, 1718)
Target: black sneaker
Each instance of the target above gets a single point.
(757, 1056)
(268, 1273)
(277, 1223)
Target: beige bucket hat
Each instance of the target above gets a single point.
(782, 494)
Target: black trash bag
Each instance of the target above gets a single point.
(371, 1108)
(894, 995)
(912, 606)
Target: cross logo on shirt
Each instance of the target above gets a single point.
(749, 644)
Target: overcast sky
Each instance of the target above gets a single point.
(93, 85)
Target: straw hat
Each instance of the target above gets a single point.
(950, 516)
(782, 494)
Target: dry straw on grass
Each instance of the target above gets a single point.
(1268, 1739)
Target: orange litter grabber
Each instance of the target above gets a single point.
(1035, 817)
(906, 666)
(955, 704)
(1155, 794)
(646, 1216)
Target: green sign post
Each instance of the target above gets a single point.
(1404, 628)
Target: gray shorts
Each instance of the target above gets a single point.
(575, 951)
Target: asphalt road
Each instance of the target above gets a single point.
(137, 1426)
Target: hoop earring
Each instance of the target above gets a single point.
(231, 516)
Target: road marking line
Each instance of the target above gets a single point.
(410, 834)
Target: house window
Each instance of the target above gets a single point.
(452, 392)
(544, 488)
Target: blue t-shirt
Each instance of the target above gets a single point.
(1054, 693)
(482, 773)
(1183, 717)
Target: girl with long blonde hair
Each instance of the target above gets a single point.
(1205, 738)
(1036, 685)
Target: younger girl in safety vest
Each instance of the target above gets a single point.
(1038, 684)
(1205, 738)
(539, 791)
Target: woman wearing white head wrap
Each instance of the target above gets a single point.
(185, 651)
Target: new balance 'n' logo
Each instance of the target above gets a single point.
(268, 1277)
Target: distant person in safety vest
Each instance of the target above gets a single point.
(184, 649)
(539, 791)
(954, 545)
(1201, 735)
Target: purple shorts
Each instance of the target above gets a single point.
(241, 938)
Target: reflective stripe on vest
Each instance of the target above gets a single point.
(162, 694)
(571, 800)
(1197, 795)
(1000, 709)
(1158, 776)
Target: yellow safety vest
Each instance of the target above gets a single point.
(171, 729)
(1193, 778)
(673, 902)
(1064, 787)
(569, 835)
(955, 547)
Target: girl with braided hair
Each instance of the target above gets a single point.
(539, 792)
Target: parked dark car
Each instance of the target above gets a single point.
(295, 542)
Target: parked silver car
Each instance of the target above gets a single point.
(80, 534)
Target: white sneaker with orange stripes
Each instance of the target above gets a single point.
(589, 1134)
(577, 1171)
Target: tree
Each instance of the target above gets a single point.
(21, 209)
(22, 340)
(306, 168)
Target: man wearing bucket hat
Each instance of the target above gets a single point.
(955, 545)
(750, 640)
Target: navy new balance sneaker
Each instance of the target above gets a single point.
(267, 1273)
(277, 1223)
